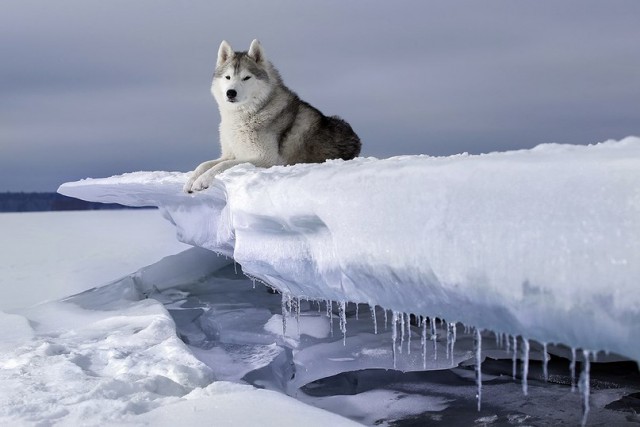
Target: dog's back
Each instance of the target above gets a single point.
(308, 136)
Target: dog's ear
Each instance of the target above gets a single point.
(256, 52)
(224, 53)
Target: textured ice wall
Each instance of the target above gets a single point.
(542, 243)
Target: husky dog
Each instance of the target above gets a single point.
(264, 123)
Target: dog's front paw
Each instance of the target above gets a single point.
(202, 182)
(188, 187)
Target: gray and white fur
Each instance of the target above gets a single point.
(264, 123)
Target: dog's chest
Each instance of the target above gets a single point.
(246, 141)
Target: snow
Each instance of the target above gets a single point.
(91, 366)
(227, 404)
(76, 251)
(541, 243)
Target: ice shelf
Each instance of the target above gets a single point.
(541, 243)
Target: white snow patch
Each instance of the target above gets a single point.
(88, 367)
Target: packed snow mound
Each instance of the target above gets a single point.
(542, 243)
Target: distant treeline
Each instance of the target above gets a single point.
(42, 202)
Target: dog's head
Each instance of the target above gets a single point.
(242, 80)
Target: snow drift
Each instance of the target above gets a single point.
(541, 243)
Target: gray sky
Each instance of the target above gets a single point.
(96, 88)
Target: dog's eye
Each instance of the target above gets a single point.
(246, 78)
(227, 77)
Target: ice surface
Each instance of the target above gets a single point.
(378, 405)
(50, 255)
(541, 243)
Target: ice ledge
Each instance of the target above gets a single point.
(543, 243)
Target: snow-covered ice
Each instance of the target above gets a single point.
(540, 246)
(541, 243)
(50, 255)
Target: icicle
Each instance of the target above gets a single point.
(515, 356)
(385, 319)
(253, 281)
(585, 386)
(357, 310)
(283, 304)
(545, 362)
(506, 339)
(401, 331)
(343, 321)
(448, 340)
(454, 330)
(394, 335)
(497, 336)
(375, 320)
(478, 350)
(572, 367)
(330, 316)
(525, 365)
(235, 267)
(319, 306)
(289, 303)
(408, 323)
(423, 341)
(434, 337)
(298, 314)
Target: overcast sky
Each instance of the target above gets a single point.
(96, 88)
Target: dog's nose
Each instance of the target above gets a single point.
(231, 93)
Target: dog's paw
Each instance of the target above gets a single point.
(203, 182)
(188, 187)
